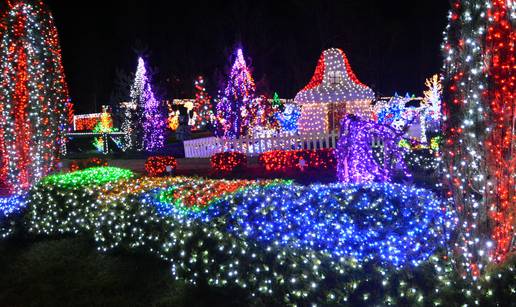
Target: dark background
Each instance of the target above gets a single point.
(391, 45)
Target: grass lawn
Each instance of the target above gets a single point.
(70, 272)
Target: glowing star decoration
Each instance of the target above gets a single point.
(151, 122)
(356, 152)
(34, 99)
(333, 91)
(234, 109)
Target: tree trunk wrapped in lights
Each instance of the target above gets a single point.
(479, 114)
(34, 103)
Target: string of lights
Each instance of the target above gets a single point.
(35, 104)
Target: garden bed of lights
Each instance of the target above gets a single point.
(330, 244)
(306, 243)
(66, 203)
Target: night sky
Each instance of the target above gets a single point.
(391, 46)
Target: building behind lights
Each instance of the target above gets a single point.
(333, 91)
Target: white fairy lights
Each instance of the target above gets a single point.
(333, 91)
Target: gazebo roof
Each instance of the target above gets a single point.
(333, 81)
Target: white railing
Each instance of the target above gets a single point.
(206, 147)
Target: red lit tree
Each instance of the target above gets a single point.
(202, 105)
(34, 103)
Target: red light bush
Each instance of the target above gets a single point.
(157, 166)
(288, 160)
(228, 161)
(76, 165)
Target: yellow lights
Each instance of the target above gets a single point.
(314, 118)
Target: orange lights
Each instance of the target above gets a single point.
(160, 165)
(288, 160)
(228, 161)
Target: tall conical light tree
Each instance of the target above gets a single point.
(34, 100)
(479, 117)
(202, 105)
(234, 110)
(150, 119)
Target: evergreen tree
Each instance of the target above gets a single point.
(150, 122)
(34, 102)
(234, 109)
(202, 105)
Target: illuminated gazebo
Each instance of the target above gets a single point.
(333, 91)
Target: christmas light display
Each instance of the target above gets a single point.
(76, 165)
(228, 161)
(104, 126)
(150, 128)
(217, 244)
(159, 166)
(288, 119)
(278, 239)
(432, 103)
(173, 120)
(65, 203)
(333, 91)
(263, 117)
(193, 196)
(129, 125)
(202, 106)
(33, 95)
(276, 102)
(10, 208)
(234, 112)
(501, 142)
(479, 104)
(355, 152)
(86, 122)
(288, 160)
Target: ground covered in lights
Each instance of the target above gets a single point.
(275, 241)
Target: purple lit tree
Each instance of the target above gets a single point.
(234, 109)
(151, 121)
(356, 161)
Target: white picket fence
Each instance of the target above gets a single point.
(206, 147)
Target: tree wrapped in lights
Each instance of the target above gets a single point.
(202, 105)
(234, 111)
(479, 104)
(356, 153)
(431, 104)
(151, 122)
(34, 102)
